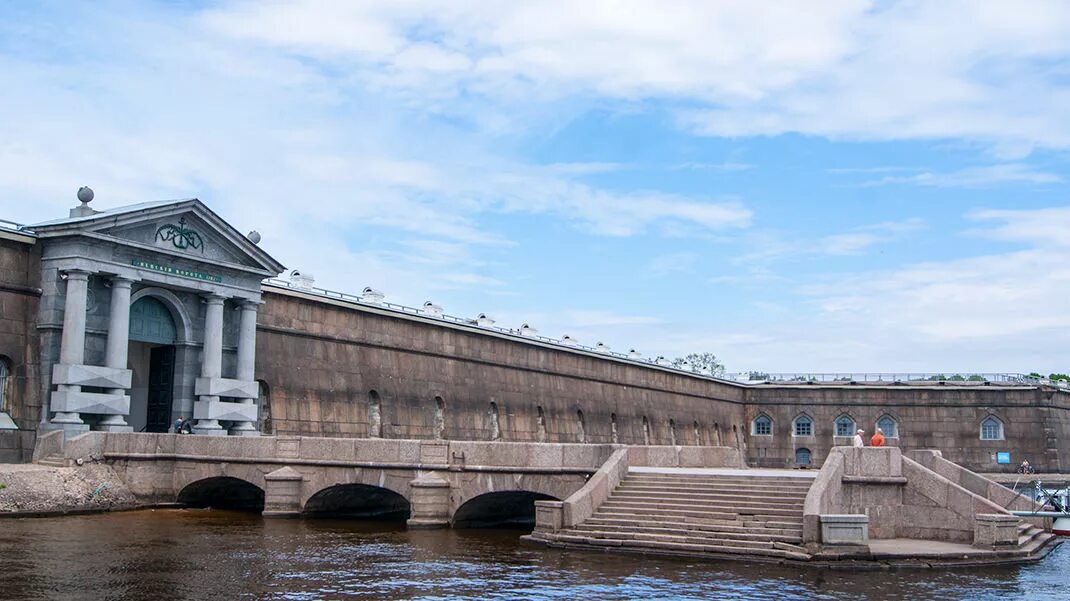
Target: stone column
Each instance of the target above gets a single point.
(72, 343)
(118, 344)
(246, 361)
(212, 358)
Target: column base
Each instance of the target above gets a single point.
(244, 429)
(69, 429)
(209, 427)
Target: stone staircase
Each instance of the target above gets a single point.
(1031, 538)
(687, 514)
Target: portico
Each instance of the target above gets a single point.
(148, 313)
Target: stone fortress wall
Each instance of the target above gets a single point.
(340, 369)
(20, 291)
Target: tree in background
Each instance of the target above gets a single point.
(699, 361)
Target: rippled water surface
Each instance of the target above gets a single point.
(217, 555)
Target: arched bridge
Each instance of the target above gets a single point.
(431, 483)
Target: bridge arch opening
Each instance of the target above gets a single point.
(361, 501)
(223, 492)
(502, 509)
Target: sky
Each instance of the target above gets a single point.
(843, 186)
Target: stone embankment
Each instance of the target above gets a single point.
(28, 490)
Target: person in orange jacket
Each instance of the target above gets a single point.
(877, 440)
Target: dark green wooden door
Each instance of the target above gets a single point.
(161, 388)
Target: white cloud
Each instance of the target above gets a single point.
(984, 71)
(974, 177)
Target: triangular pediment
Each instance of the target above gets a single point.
(185, 228)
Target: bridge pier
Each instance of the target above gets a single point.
(282, 493)
(430, 503)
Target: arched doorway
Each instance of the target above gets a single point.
(152, 358)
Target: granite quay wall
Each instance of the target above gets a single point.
(336, 369)
(948, 417)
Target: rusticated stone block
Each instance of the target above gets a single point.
(993, 530)
(844, 529)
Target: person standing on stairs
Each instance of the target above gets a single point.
(878, 439)
(858, 442)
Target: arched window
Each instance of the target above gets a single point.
(540, 424)
(5, 381)
(803, 426)
(698, 434)
(375, 415)
(762, 426)
(495, 425)
(802, 456)
(672, 432)
(845, 426)
(888, 426)
(439, 423)
(613, 427)
(991, 428)
(267, 427)
(582, 425)
(646, 431)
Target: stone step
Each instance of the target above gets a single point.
(53, 461)
(656, 507)
(677, 547)
(625, 520)
(729, 522)
(738, 488)
(672, 538)
(652, 529)
(714, 487)
(741, 500)
(693, 479)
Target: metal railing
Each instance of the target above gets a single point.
(893, 377)
(13, 226)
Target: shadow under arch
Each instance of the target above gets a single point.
(509, 508)
(358, 501)
(223, 492)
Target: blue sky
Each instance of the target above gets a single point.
(848, 186)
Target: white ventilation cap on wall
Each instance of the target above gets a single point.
(432, 309)
(483, 321)
(373, 296)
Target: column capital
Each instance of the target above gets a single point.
(77, 274)
(121, 281)
(213, 299)
(248, 305)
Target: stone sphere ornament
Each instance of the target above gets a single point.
(85, 194)
(254, 237)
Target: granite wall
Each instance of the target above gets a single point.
(333, 370)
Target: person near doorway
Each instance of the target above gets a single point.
(878, 439)
(858, 442)
(178, 424)
(187, 426)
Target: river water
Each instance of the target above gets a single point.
(221, 555)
